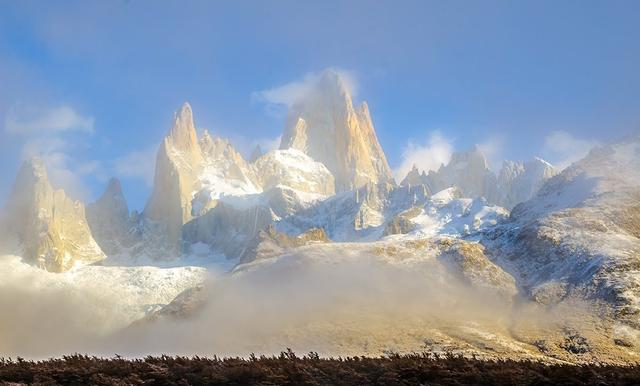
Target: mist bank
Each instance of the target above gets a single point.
(350, 304)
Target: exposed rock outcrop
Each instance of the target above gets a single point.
(191, 175)
(469, 261)
(401, 224)
(270, 242)
(51, 227)
(109, 220)
(178, 164)
(227, 228)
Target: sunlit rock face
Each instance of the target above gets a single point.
(191, 175)
(330, 129)
(178, 163)
(51, 227)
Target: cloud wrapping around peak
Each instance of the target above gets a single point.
(49, 120)
(278, 99)
(428, 156)
(562, 149)
(492, 148)
(51, 133)
(63, 169)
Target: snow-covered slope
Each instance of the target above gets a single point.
(294, 169)
(449, 213)
(224, 172)
(579, 237)
(52, 314)
(379, 210)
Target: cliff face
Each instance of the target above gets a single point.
(326, 126)
(51, 227)
(109, 220)
(178, 164)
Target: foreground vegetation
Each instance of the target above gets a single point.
(289, 369)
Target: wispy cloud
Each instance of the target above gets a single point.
(44, 132)
(492, 148)
(28, 120)
(562, 149)
(278, 99)
(138, 164)
(64, 171)
(426, 156)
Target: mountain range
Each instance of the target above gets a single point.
(530, 231)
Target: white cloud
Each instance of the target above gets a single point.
(279, 98)
(492, 150)
(64, 172)
(27, 121)
(138, 164)
(562, 149)
(46, 133)
(427, 156)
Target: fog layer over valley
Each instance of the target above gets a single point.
(337, 302)
(316, 247)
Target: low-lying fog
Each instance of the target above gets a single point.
(332, 305)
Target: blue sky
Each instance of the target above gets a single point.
(93, 85)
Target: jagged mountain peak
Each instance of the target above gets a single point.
(414, 177)
(332, 83)
(109, 219)
(112, 196)
(50, 226)
(473, 157)
(325, 125)
(468, 170)
(182, 134)
(113, 187)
